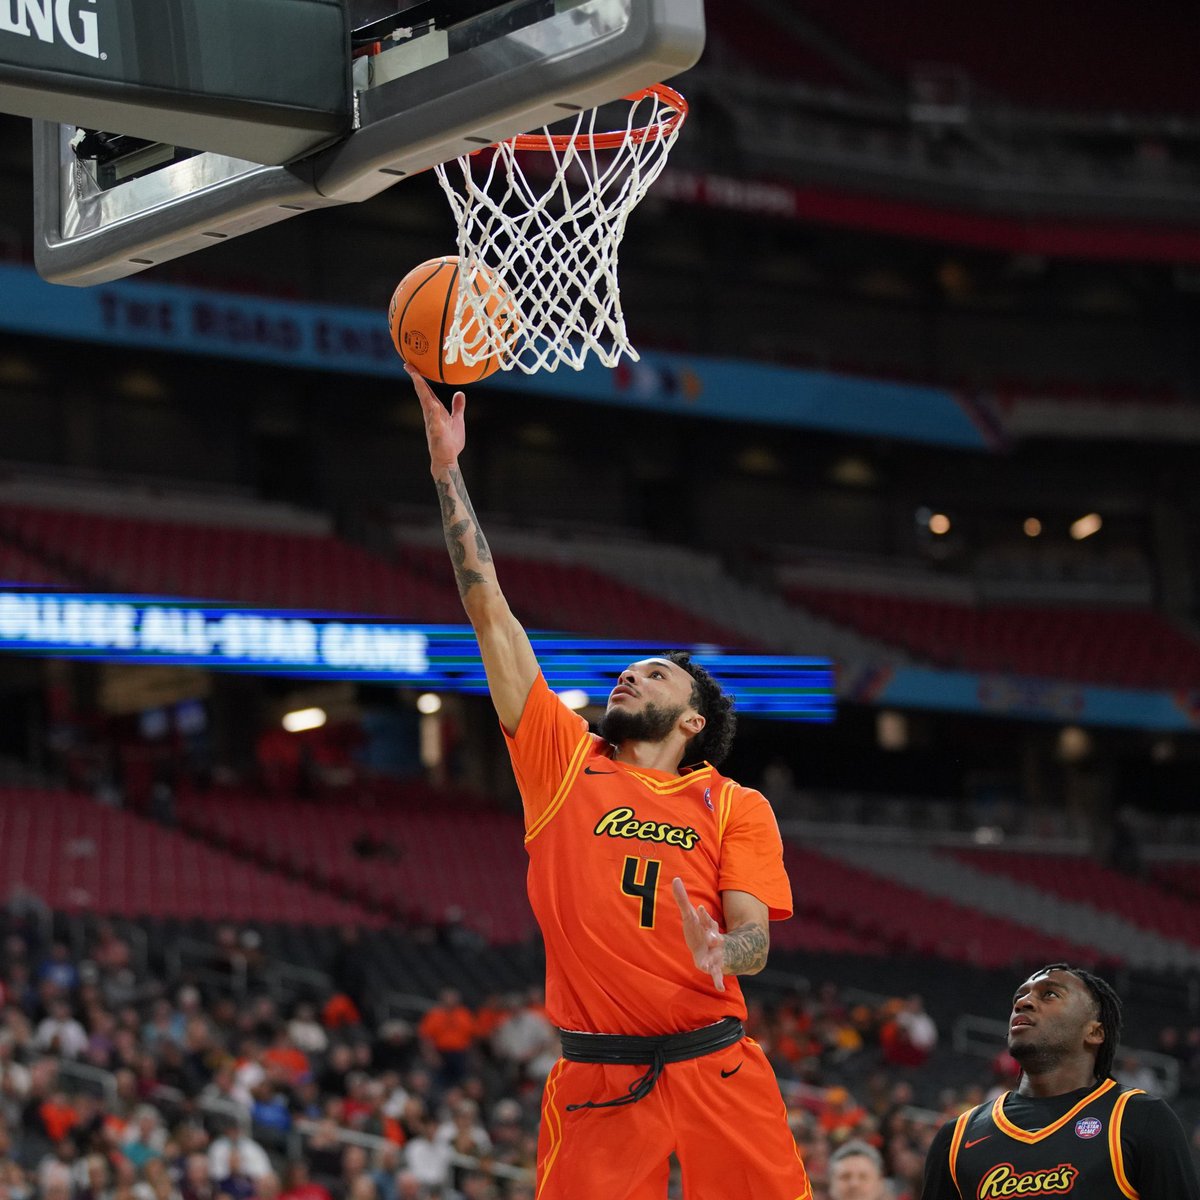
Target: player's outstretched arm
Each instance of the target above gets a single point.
(508, 657)
(741, 951)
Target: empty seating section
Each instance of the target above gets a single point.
(740, 35)
(553, 595)
(425, 862)
(302, 570)
(18, 566)
(1180, 877)
(295, 570)
(1145, 903)
(472, 860)
(1122, 647)
(909, 921)
(77, 855)
(1070, 54)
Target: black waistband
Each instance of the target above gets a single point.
(651, 1052)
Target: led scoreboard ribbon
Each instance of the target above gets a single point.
(152, 629)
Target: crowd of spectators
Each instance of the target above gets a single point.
(119, 1085)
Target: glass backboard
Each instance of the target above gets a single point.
(431, 80)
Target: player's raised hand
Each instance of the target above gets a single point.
(702, 934)
(445, 430)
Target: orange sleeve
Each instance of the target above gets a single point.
(752, 854)
(548, 737)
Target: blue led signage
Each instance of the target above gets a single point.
(147, 629)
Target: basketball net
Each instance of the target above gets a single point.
(540, 242)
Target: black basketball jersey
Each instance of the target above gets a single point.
(1079, 1154)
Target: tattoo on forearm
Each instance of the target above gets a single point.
(745, 950)
(481, 546)
(452, 496)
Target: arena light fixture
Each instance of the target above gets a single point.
(1085, 526)
(303, 719)
(1032, 527)
(429, 703)
(575, 698)
(939, 523)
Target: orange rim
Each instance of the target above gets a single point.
(611, 140)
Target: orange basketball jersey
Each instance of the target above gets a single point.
(604, 842)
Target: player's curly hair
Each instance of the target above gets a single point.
(1108, 1013)
(712, 743)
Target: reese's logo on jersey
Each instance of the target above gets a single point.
(624, 823)
(1003, 1181)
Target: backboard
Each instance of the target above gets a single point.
(429, 80)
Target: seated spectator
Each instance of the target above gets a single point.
(449, 1028)
(156, 1182)
(298, 1184)
(464, 1132)
(285, 1061)
(145, 1138)
(355, 1164)
(60, 1033)
(306, 1032)
(58, 969)
(428, 1156)
(269, 1110)
(856, 1173)
(236, 1183)
(197, 1182)
(252, 1158)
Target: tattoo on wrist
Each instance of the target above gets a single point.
(744, 950)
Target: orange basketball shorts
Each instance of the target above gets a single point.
(722, 1116)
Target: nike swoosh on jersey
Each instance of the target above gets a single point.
(589, 771)
(968, 1145)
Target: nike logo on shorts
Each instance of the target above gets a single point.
(589, 771)
(726, 1074)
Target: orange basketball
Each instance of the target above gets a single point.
(422, 310)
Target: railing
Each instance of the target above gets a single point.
(93, 1078)
(189, 958)
(105, 1083)
(283, 980)
(406, 1004)
(985, 1038)
(1058, 162)
(368, 1141)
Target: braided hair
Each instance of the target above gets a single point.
(1108, 1013)
(713, 742)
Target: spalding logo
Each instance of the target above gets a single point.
(68, 21)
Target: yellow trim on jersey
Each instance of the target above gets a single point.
(960, 1131)
(724, 808)
(553, 1120)
(1114, 1144)
(568, 779)
(668, 787)
(1021, 1135)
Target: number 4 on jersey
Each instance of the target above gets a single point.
(644, 889)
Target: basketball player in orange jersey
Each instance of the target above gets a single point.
(1068, 1129)
(654, 885)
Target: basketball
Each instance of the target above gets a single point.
(421, 313)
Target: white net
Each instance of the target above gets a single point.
(540, 220)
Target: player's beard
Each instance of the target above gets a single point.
(1036, 1058)
(652, 724)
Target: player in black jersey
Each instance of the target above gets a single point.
(1068, 1129)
